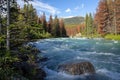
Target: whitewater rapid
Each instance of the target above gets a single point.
(103, 54)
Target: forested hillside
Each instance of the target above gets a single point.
(74, 20)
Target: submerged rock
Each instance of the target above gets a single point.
(77, 68)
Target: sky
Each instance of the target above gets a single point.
(63, 8)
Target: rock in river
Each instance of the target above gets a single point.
(77, 68)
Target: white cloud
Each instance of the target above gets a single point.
(68, 10)
(67, 17)
(77, 7)
(42, 7)
(82, 5)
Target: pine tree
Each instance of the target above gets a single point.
(110, 28)
(44, 22)
(39, 21)
(102, 17)
(62, 28)
(32, 15)
(56, 28)
(50, 24)
(8, 23)
(90, 24)
(86, 25)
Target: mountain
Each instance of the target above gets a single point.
(74, 20)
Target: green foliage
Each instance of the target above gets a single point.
(46, 35)
(6, 68)
(56, 28)
(6, 74)
(31, 53)
(2, 42)
(44, 22)
(2, 39)
(14, 12)
(112, 37)
(8, 71)
(21, 33)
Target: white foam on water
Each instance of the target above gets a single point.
(98, 38)
(100, 53)
(54, 75)
(113, 48)
(110, 62)
(82, 38)
(81, 58)
(115, 41)
(110, 74)
(55, 39)
(78, 57)
(97, 43)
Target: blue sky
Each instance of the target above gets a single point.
(64, 8)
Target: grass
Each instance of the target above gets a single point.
(112, 37)
(108, 36)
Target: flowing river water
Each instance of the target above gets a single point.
(103, 54)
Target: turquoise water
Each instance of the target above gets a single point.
(103, 54)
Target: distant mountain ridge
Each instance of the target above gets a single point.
(74, 20)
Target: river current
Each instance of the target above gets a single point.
(103, 54)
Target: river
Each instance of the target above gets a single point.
(103, 54)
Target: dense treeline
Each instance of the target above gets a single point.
(17, 27)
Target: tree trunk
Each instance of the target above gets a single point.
(0, 23)
(8, 23)
(0, 17)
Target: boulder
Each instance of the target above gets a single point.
(77, 68)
